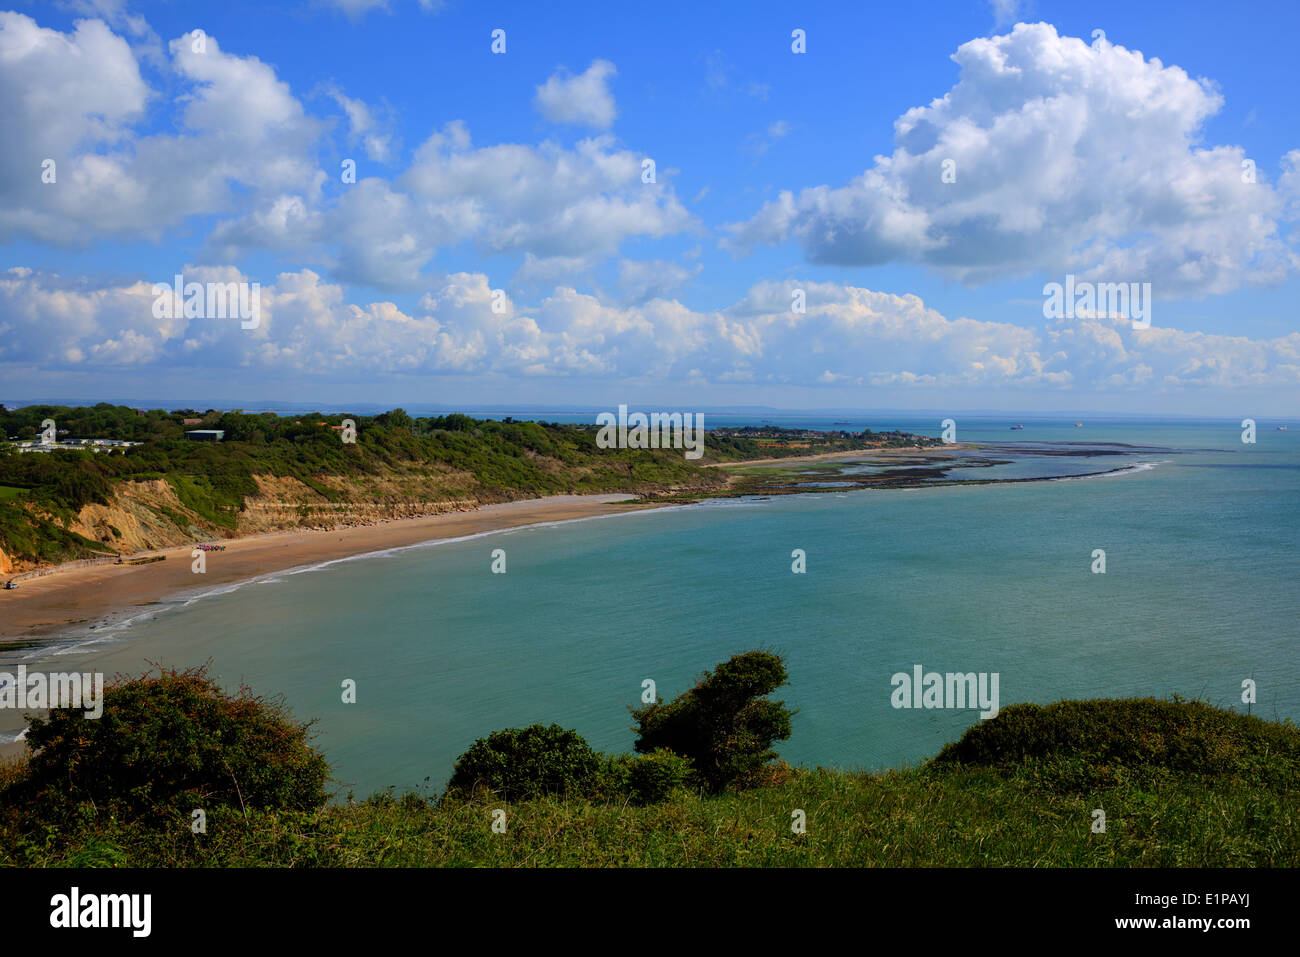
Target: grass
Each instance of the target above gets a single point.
(1182, 784)
(8, 493)
(196, 494)
(907, 818)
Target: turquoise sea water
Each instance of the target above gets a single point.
(1200, 593)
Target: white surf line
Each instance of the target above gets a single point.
(110, 630)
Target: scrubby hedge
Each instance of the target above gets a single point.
(173, 740)
(521, 763)
(724, 724)
(1081, 746)
(715, 735)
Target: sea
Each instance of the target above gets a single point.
(1198, 598)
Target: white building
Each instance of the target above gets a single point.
(95, 445)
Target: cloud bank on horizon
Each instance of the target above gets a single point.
(845, 335)
(1048, 155)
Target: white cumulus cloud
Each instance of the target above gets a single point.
(584, 99)
(1059, 156)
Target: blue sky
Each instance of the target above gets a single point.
(1114, 159)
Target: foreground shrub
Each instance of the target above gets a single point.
(174, 741)
(1175, 735)
(1085, 745)
(654, 777)
(723, 724)
(522, 763)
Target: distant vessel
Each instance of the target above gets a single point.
(1016, 428)
(1078, 425)
(1281, 428)
(841, 423)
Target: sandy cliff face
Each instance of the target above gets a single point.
(286, 503)
(144, 516)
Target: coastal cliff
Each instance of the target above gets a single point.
(270, 474)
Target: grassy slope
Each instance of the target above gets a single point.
(1181, 785)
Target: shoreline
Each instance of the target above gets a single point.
(108, 594)
(43, 607)
(81, 595)
(909, 451)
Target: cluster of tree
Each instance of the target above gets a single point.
(753, 441)
(714, 736)
(102, 421)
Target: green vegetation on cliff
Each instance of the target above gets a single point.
(395, 459)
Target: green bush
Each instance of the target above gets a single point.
(173, 741)
(1081, 746)
(521, 763)
(654, 777)
(723, 724)
(1174, 735)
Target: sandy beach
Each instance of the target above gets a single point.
(79, 596)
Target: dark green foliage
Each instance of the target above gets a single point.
(1079, 745)
(521, 763)
(397, 419)
(654, 777)
(724, 724)
(60, 480)
(456, 422)
(102, 421)
(644, 779)
(173, 741)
